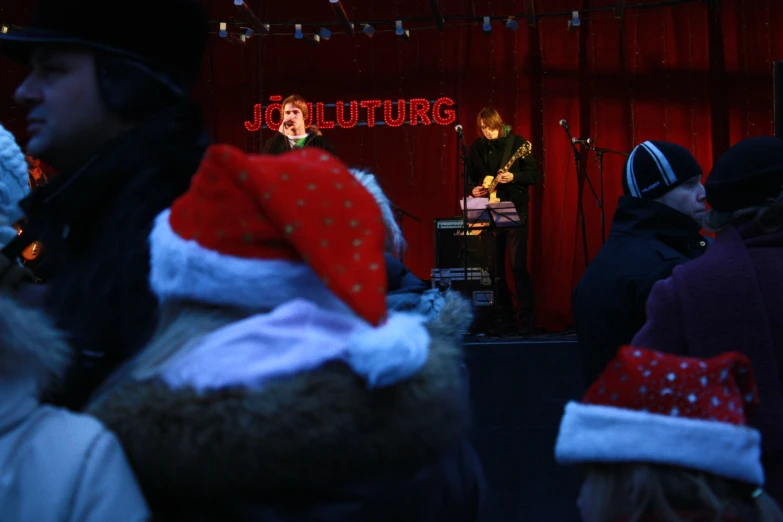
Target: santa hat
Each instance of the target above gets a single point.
(663, 409)
(395, 240)
(258, 231)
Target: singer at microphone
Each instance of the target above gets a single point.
(493, 157)
(294, 133)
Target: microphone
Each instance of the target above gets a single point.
(583, 141)
(458, 128)
(564, 123)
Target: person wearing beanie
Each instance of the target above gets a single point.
(657, 226)
(118, 125)
(730, 298)
(279, 386)
(663, 438)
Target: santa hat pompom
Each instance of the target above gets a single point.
(392, 352)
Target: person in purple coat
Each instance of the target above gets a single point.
(731, 298)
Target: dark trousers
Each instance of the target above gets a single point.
(512, 242)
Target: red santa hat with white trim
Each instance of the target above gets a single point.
(664, 409)
(256, 231)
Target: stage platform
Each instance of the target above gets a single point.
(519, 387)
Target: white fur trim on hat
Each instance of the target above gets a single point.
(592, 433)
(14, 180)
(183, 269)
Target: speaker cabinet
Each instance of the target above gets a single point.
(453, 248)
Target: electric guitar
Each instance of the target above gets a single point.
(491, 182)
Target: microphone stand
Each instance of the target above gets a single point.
(580, 190)
(462, 156)
(399, 214)
(599, 158)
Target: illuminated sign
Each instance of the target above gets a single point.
(346, 115)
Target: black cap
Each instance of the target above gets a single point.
(747, 175)
(167, 35)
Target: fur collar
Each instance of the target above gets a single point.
(306, 433)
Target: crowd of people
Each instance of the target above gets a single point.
(189, 332)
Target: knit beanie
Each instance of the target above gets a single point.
(656, 167)
(14, 184)
(747, 175)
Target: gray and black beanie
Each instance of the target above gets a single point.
(656, 167)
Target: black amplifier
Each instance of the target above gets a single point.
(454, 249)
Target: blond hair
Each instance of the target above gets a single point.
(636, 491)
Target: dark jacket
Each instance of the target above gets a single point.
(94, 223)
(318, 445)
(399, 278)
(485, 158)
(647, 240)
(279, 143)
(731, 299)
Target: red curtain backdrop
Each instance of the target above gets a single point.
(684, 73)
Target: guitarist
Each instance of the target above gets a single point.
(488, 154)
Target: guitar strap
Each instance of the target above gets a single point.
(507, 153)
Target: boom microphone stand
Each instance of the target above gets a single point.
(399, 214)
(599, 158)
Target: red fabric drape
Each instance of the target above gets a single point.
(683, 73)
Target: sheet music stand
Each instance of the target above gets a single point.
(493, 217)
(477, 215)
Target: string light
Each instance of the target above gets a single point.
(391, 121)
(770, 98)
(419, 107)
(488, 27)
(370, 105)
(667, 76)
(449, 115)
(631, 93)
(353, 111)
(309, 120)
(270, 110)
(320, 118)
(690, 82)
(440, 111)
(594, 102)
(258, 119)
(436, 116)
(748, 118)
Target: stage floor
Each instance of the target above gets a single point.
(519, 387)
